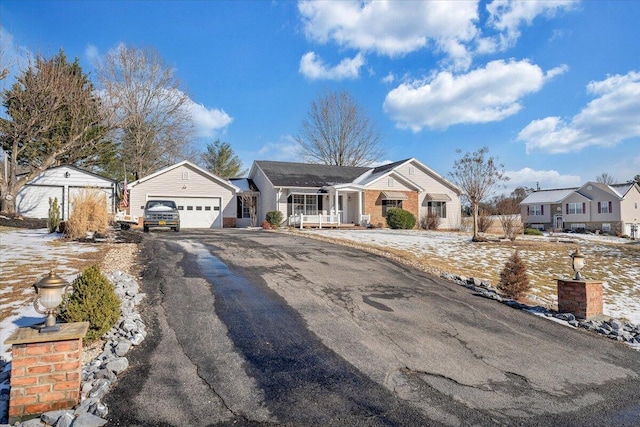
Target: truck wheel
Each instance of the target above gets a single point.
(124, 226)
(176, 229)
(145, 228)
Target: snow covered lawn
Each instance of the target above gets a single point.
(26, 257)
(614, 261)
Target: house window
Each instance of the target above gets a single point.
(437, 208)
(387, 204)
(578, 226)
(604, 207)
(535, 210)
(245, 206)
(185, 175)
(411, 170)
(390, 182)
(575, 208)
(606, 227)
(306, 204)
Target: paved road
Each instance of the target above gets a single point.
(260, 328)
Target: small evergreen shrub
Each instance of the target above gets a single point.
(93, 300)
(53, 221)
(399, 219)
(89, 214)
(514, 282)
(274, 217)
(532, 232)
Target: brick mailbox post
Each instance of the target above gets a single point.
(45, 369)
(583, 298)
(579, 296)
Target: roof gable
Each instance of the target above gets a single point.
(191, 165)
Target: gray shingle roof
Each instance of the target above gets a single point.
(285, 174)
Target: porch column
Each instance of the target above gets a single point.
(335, 204)
(359, 207)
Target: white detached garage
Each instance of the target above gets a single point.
(63, 183)
(204, 199)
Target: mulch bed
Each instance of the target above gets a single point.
(18, 221)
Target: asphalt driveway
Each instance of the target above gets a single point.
(261, 328)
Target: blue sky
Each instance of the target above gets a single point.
(551, 87)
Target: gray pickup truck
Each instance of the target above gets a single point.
(161, 213)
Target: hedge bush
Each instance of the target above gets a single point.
(533, 232)
(93, 300)
(53, 221)
(274, 217)
(399, 219)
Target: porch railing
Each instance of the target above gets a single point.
(300, 220)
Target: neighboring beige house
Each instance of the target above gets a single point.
(64, 183)
(333, 195)
(204, 200)
(597, 207)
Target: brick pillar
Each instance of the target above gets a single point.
(583, 298)
(45, 369)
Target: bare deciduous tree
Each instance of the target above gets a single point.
(53, 117)
(249, 201)
(338, 132)
(605, 178)
(477, 176)
(147, 109)
(508, 214)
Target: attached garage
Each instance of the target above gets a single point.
(204, 200)
(197, 212)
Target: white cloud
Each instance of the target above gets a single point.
(389, 78)
(605, 121)
(92, 54)
(314, 68)
(546, 179)
(285, 150)
(483, 95)
(207, 120)
(392, 28)
(507, 16)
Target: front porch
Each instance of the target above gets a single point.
(325, 221)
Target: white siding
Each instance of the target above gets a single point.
(433, 185)
(268, 194)
(63, 182)
(181, 182)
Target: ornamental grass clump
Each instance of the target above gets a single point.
(514, 282)
(399, 219)
(89, 214)
(93, 300)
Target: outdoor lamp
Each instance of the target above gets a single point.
(577, 263)
(49, 292)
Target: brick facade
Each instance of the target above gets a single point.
(373, 206)
(45, 376)
(229, 222)
(582, 298)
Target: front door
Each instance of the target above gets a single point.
(558, 222)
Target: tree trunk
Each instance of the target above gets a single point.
(475, 221)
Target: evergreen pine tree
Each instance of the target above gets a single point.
(514, 282)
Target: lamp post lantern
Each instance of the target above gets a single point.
(49, 292)
(577, 263)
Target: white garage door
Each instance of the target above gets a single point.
(33, 200)
(197, 212)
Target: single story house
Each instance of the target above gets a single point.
(204, 199)
(63, 183)
(326, 194)
(594, 206)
